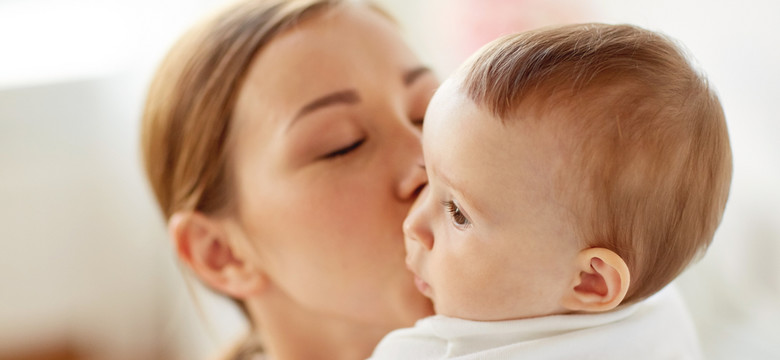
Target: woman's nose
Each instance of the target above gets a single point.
(413, 177)
(417, 224)
(413, 182)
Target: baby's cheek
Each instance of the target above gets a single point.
(461, 294)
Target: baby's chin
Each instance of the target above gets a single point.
(415, 305)
(417, 308)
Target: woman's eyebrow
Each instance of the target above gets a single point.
(348, 96)
(413, 74)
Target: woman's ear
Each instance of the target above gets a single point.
(601, 281)
(202, 243)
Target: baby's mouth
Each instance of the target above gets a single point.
(422, 286)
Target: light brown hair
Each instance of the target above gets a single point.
(647, 145)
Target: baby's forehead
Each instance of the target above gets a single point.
(546, 115)
(541, 138)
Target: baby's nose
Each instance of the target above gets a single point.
(416, 225)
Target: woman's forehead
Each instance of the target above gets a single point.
(346, 47)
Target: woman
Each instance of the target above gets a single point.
(281, 139)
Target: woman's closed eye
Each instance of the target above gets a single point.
(458, 218)
(344, 150)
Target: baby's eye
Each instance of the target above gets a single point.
(418, 122)
(343, 151)
(457, 216)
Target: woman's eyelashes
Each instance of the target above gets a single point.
(344, 151)
(458, 218)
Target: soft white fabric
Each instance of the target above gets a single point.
(657, 328)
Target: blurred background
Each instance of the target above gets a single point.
(86, 271)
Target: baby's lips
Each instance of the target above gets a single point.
(422, 286)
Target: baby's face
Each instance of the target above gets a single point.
(489, 238)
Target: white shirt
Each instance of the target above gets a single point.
(656, 328)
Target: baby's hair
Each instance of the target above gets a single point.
(649, 161)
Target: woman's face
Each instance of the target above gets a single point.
(327, 162)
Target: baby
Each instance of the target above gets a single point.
(573, 173)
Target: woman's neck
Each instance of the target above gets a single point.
(291, 332)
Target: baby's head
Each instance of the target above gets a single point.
(570, 169)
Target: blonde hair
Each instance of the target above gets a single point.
(649, 147)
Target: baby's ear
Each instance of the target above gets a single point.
(600, 283)
(202, 244)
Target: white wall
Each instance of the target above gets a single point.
(83, 254)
